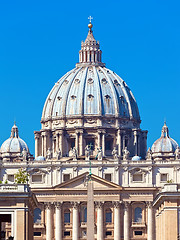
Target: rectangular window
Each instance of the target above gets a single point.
(72, 142)
(84, 234)
(108, 144)
(11, 178)
(67, 217)
(108, 217)
(36, 178)
(108, 176)
(137, 177)
(108, 233)
(137, 233)
(66, 233)
(164, 177)
(90, 143)
(37, 233)
(66, 177)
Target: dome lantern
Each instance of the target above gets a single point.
(14, 131)
(90, 53)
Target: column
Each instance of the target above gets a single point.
(99, 139)
(57, 142)
(136, 142)
(45, 143)
(119, 142)
(100, 235)
(84, 60)
(88, 56)
(49, 226)
(36, 144)
(117, 223)
(150, 221)
(103, 142)
(81, 146)
(126, 221)
(61, 142)
(75, 221)
(58, 230)
(96, 58)
(42, 145)
(77, 142)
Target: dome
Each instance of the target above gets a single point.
(136, 158)
(164, 144)
(90, 89)
(14, 144)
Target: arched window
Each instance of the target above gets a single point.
(37, 215)
(108, 215)
(66, 216)
(138, 214)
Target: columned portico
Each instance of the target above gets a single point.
(49, 226)
(100, 234)
(58, 223)
(126, 221)
(75, 229)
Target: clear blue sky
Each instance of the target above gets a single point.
(40, 40)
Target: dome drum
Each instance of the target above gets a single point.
(105, 138)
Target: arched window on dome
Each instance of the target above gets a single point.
(138, 215)
(108, 215)
(37, 215)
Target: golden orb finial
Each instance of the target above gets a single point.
(90, 25)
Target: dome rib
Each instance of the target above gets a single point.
(113, 91)
(125, 94)
(60, 83)
(83, 91)
(44, 113)
(99, 92)
(64, 104)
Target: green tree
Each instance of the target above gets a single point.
(21, 176)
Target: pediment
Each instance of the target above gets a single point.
(138, 170)
(80, 183)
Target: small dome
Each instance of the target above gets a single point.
(40, 158)
(136, 158)
(14, 144)
(164, 144)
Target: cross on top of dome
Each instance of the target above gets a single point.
(90, 18)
